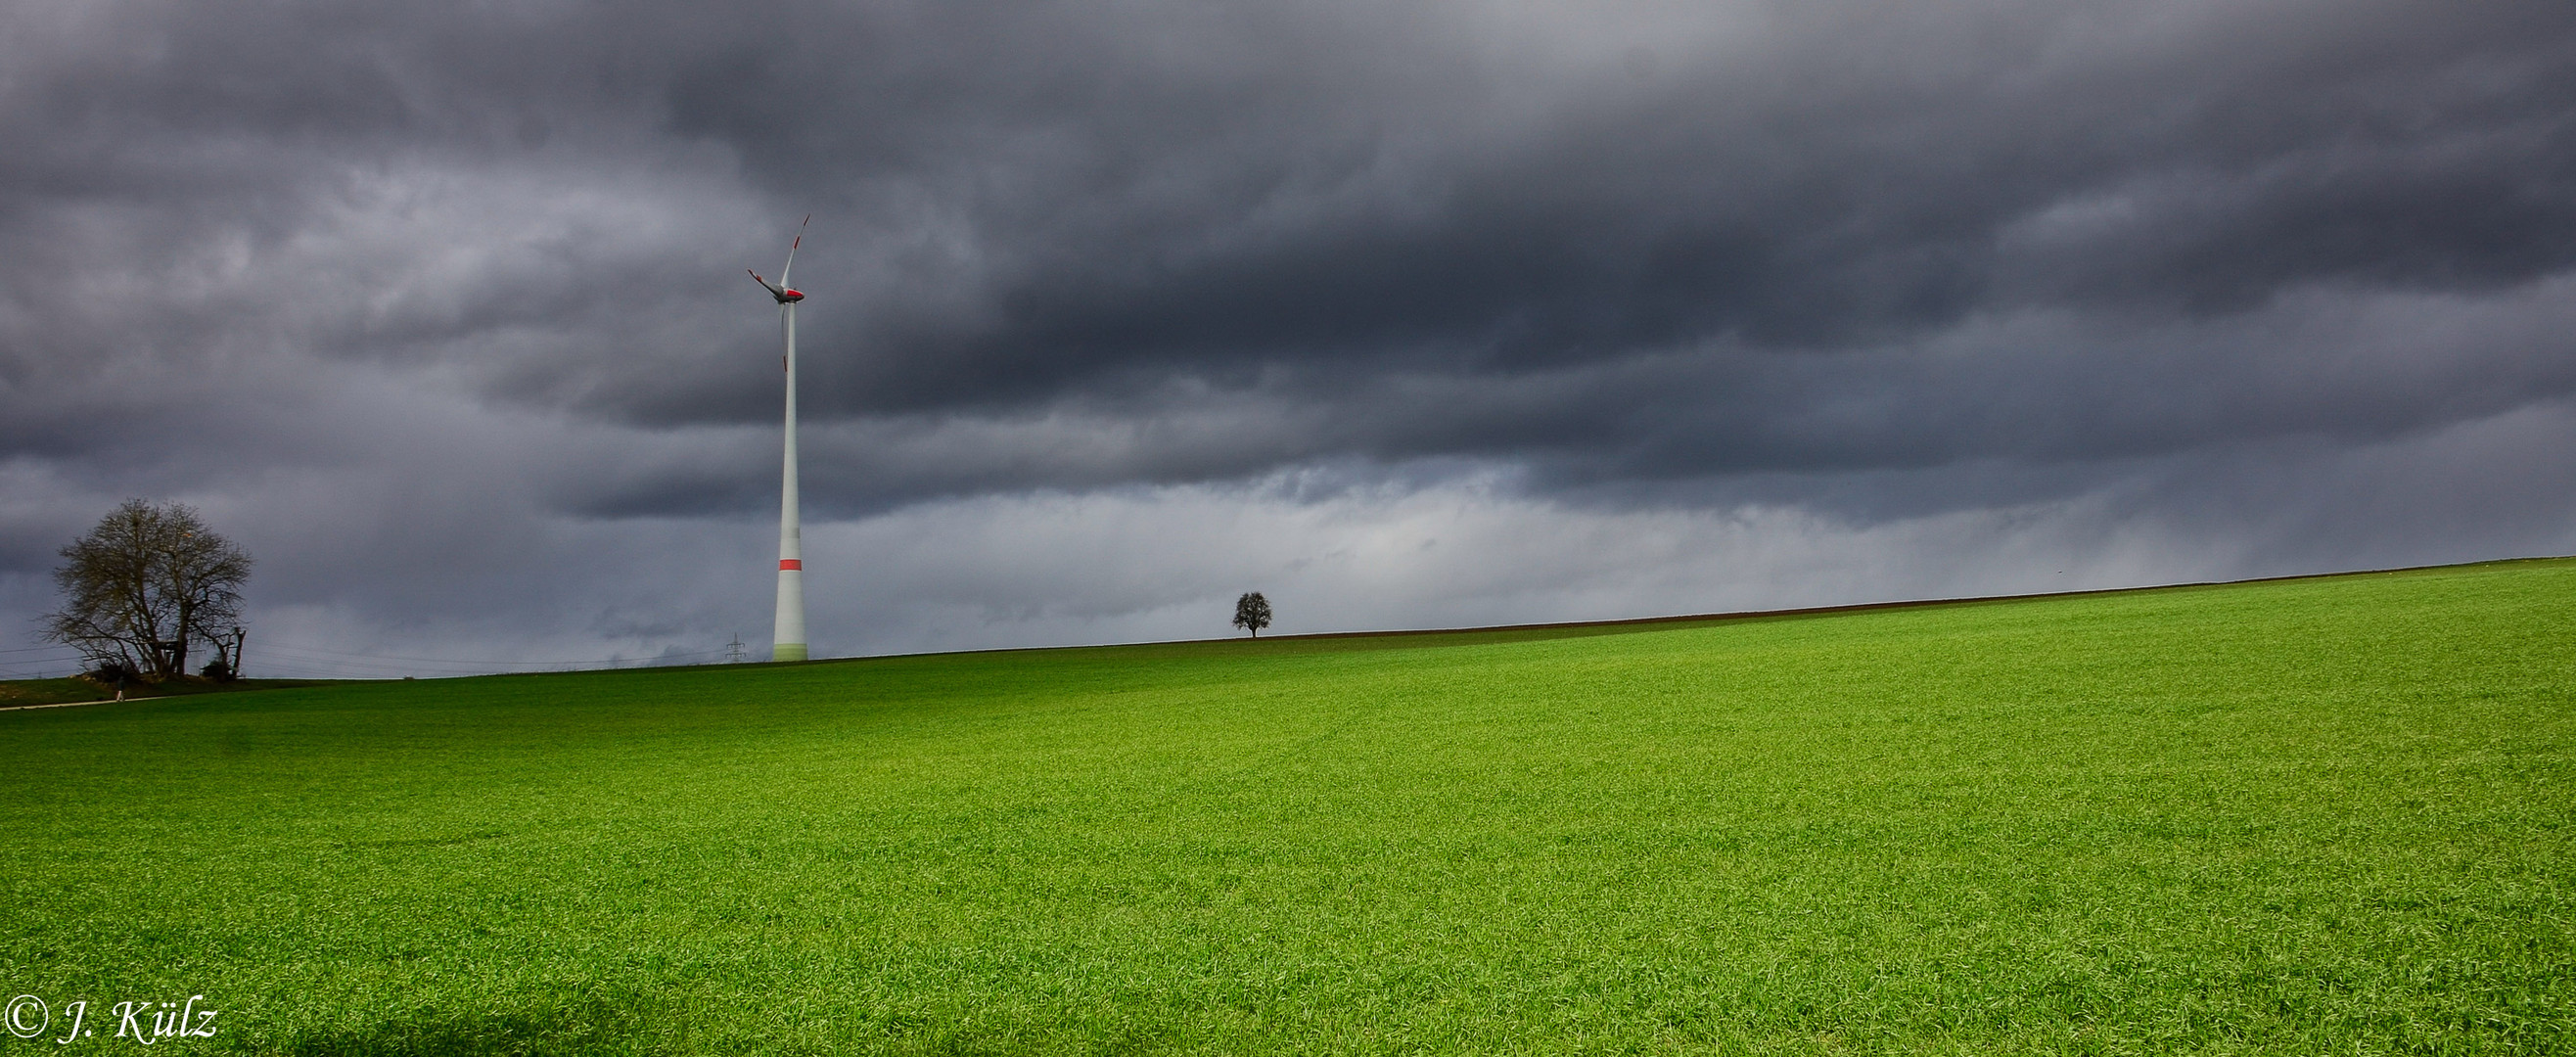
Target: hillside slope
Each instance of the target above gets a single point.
(2295, 817)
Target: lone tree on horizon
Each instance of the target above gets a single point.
(144, 584)
(1252, 613)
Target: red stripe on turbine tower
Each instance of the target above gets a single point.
(791, 563)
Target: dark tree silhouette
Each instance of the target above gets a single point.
(1252, 613)
(143, 585)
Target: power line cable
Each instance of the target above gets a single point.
(460, 660)
(321, 662)
(314, 661)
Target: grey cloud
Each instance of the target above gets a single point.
(1025, 201)
(2045, 389)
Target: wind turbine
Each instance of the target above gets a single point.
(788, 642)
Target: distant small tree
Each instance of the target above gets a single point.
(143, 585)
(1252, 613)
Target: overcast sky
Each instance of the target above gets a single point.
(1406, 314)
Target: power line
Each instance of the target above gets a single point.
(323, 662)
(459, 660)
(46, 657)
(369, 659)
(304, 661)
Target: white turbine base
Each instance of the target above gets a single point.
(788, 644)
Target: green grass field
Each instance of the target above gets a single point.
(2302, 817)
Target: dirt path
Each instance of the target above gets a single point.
(67, 704)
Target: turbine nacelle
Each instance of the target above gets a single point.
(785, 295)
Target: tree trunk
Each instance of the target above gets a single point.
(179, 649)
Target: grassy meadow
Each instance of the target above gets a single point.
(2318, 816)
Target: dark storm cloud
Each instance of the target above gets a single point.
(1027, 207)
(1703, 263)
(1830, 187)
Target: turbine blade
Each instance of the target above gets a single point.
(773, 288)
(791, 248)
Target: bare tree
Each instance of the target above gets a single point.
(143, 585)
(1252, 613)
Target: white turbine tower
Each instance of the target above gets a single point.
(788, 643)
